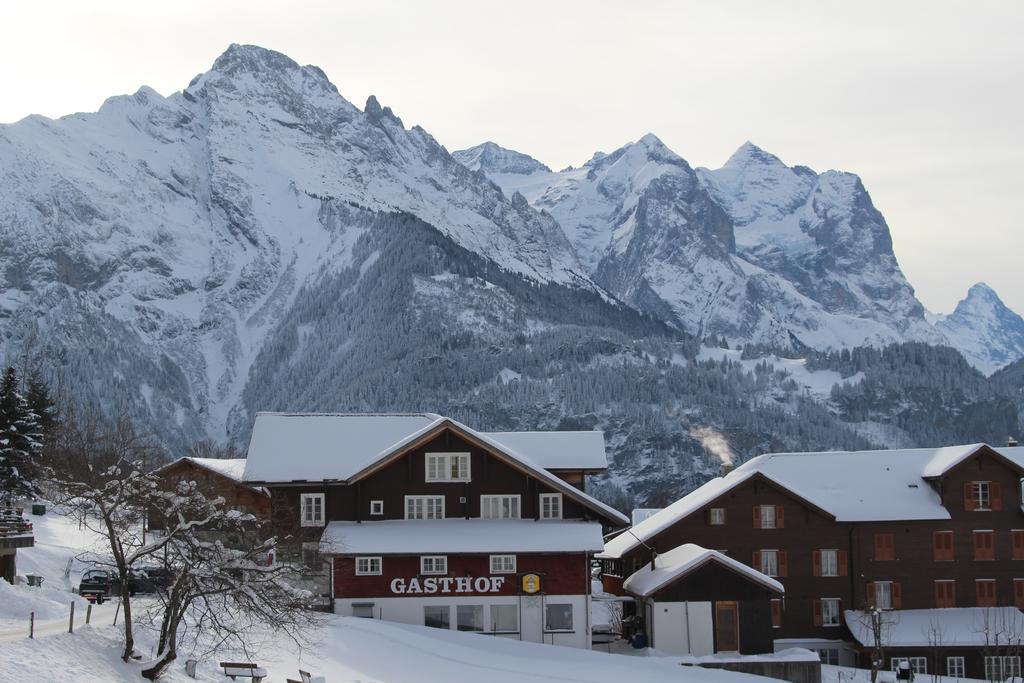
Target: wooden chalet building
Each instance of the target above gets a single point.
(901, 530)
(422, 520)
(215, 477)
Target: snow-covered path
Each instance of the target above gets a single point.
(102, 615)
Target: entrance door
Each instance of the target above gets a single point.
(727, 627)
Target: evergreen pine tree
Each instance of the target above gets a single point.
(20, 442)
(37, 395)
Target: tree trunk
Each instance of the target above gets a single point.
(158, 667)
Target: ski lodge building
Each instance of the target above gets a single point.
(934, 538)
(422, 520)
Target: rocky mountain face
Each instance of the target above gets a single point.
(755, 251)
(256, 242)
(984, 330)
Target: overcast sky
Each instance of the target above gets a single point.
(923, 100)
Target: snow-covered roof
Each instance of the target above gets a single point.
(404, 537)
(232, 468)
(951, 627)
(317, 446)
(558, 450)
(640, 514)
(851, 486)
(678, 562)
(296, 447)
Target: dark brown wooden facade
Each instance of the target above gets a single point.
(237, 496)
(974, 558)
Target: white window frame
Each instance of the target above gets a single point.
(919, 665)
(955, 667)
(1004, 672)
(514, 612)
(829, 656)
(460, 608)
(556, 501)
(572, 618)
(831, 567)
(364, 565)
(438, 565)
(447, 608)
(507, 564)
(769, 562)
(981, 491)
(306, 499)
(412, 500)
(830, 612)
(768, 513)
(376, 507)
(716, 517)
(887, 593)
(488, 497)
(443, 465)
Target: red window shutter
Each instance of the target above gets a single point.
(938, 546)
(842, 559)
(1018, 544)
(995, 491)
(940, 594)
(780, 517)
(871, 594)
(897, 597)
(968, 496)
(756, 561)
(816, 563)
(817, 613)
(783, 563)
(1018, 593)
(757, 516)
(776, 613)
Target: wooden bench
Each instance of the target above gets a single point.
(235, 670)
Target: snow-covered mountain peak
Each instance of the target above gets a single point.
(492, 158)
(984, 329)
(748, 154)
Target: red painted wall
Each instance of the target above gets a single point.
(567, 574)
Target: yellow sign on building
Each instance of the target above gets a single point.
(531, 584)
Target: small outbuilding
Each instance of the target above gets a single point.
(215, 477)
(695, 601)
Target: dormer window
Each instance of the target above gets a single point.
(443, 467)
(982, 496)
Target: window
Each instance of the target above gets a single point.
(368, 566)
(1018, 593)
(945, 593)
(985, 592)
(550, 506)
(362, 609)
(884, 547)
(983, 496)
(829, 563)
(1001, 668)
(942, 546)
(434, 564)
(716, 516)
(768, 517)
(447, 467)
(955, 667)
(830, 611)
(1017, 536)
(829, 656)
(311, 555)
(883, 593)
(376, 507)
(919, 665)
(776, 613)
(769, 564)
(437, 616)
(469, 617)
(499, 507)
(558, 617)
(312, 506)
(424, 507)
(504, 618)
(503, 564)
(984, 548)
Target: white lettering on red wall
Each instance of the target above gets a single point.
(447, 584)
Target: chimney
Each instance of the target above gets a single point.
(1011, 442)
(726, 468)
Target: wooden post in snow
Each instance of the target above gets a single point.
(31, 624)
(116, 610)
(71, 621)
(88, 613)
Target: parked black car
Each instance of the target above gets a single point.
(102, 583)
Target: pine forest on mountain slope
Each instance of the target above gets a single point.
(258, 243)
